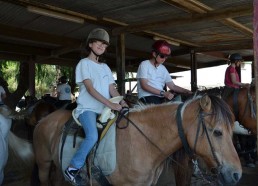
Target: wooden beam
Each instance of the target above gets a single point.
(27, 3)
(13, 57)
(219, 55)
(239, 45)
(198, 7)
(21, 49)
(186, 6)
(210, 16)
(180, 42)
(31, 35)
(238, 26)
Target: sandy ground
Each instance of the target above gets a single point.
(249, 178)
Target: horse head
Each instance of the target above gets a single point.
(211, 137)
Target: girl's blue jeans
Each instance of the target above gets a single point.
(88, 121)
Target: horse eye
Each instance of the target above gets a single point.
(217, 133)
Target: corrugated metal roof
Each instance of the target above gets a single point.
(164, 18)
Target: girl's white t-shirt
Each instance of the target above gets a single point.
(100, 76)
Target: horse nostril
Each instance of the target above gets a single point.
(236, 176)
(214, 170)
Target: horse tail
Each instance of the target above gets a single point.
(21, 149)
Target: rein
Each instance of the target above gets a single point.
(201, 122)
(121, 114)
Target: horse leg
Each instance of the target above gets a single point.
(34, 180)
(44, 168)
(44, 162)
(182, 168)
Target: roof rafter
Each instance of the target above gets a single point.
(198, 7)
(212, 15)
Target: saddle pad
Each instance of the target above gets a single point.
(105, 157)
(68, 150)
(239, 129)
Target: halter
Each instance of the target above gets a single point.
(201, 122)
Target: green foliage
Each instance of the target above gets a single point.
(46, 76)
(9, 70)
(45, 79)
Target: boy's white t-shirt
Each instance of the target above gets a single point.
(157, 77)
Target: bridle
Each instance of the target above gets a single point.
(192, 152)
(186, 146)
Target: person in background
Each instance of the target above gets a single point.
(97, 86)
(232, 80)
(153, 77)
(63, 93)
(245, 144)
(53, 92)
(2, 95)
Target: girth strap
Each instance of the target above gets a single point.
(66, 129)
(235, 104)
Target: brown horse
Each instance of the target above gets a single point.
(40, 109)
(36, 112)
(152, 133)
(242, 103)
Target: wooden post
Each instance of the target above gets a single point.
(255, 43)
(32, 77)
(193, 71)
(120, 63)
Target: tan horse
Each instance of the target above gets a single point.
(242, 103)
(151, 137)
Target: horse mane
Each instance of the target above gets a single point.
(140, 106)
(221, 109)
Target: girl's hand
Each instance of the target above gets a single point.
(115, 106)
(123, 103)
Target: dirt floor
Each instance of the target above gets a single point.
(249, 178)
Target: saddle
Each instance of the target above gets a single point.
(102, 158)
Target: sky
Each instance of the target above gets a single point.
(211, 77)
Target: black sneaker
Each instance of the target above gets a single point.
(74, 177)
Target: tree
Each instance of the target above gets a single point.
(14, 77)
(13, 96)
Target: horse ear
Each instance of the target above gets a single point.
(205, 103)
